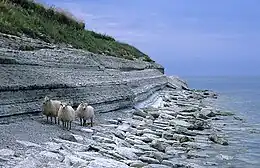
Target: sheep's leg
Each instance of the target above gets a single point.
(70, 124)
(58, 121)
(63, 124)
(80, 121)
(47, 118)
(51, 119)
(84, 122)
(91, 119)
(55, 120)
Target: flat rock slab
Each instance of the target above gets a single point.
(129, 153)
(106, 163)
(6, 152)
(28, 144)
(176, 122)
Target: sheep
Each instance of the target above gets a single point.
(85, 112)
(66, 114)
(51, 108)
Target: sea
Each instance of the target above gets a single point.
(241, 96)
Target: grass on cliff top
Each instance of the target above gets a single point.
(19, 17)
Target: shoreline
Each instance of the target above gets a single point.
(176, 132)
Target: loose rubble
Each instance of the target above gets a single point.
(176, 134)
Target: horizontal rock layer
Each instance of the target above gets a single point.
(71, 75)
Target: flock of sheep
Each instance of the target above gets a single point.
(66, 114)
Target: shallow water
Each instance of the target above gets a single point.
(240, 95)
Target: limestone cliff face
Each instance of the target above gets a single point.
(71, 75)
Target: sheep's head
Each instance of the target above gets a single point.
(83, 106)
(46, 99)
(63, 105)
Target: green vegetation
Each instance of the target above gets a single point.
(19, 17)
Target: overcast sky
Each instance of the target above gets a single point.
(188, 37)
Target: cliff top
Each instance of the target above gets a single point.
(25, 17)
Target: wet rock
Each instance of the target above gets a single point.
(201, 116)
(225, 113)
(106, 163)
(149, 160)
(196, 154)
(238, 118)
(199, 125)
(217, 139)
(195, 145)
(208, 112)
(6, 152)
(189, 109)
(176, 122)
(68, 137)
(224, 157)
(138, 164)
(156, 166)
(194, 165)
(158, 145)
(184, 131)
(210, 164)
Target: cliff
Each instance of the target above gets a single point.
(71, 75)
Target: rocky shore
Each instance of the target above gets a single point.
(176, 129)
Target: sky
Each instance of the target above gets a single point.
(187, 37)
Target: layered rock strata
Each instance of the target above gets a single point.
(107, 83)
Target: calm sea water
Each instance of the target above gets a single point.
(240, 95)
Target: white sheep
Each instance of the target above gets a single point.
(66, 114)
(85, 112)
(51, 108)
